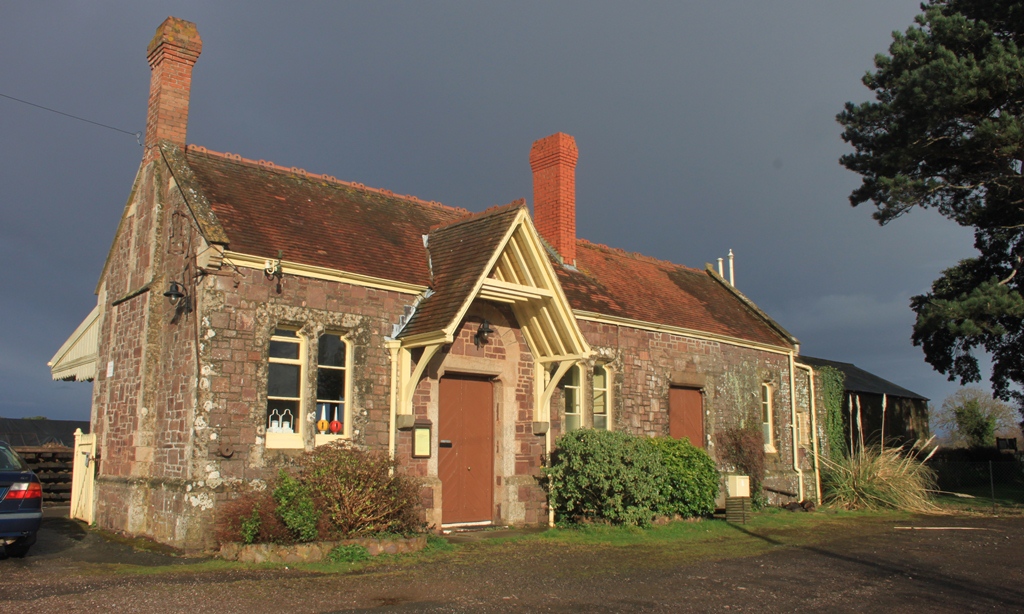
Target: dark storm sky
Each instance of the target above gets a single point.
(702, 126)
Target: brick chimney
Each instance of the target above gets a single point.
(553, 160)
(172, 53)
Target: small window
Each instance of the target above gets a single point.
(601, 398)
(571, 393)
(284, 388)
(803, 424)
(767, 418)
(332, 385)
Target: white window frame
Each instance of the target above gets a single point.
(573, 376)
(289, 441)
(768, 417)
(606, 392)
(320, 439)
(803, 429)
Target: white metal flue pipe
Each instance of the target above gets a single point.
(732, 277)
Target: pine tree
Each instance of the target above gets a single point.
(946, 131)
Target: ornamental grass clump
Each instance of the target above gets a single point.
(876, 478)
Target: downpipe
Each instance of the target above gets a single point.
(792, 422)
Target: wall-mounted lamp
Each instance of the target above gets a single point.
(272, 268)
(175, 293)
(480, 338)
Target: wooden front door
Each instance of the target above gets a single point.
(465, 457)
(686, 415)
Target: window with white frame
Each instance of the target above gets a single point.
(602, 398)
(332, 385)
(571, 394)
(284, 389)
(803, 424)
(767, 418)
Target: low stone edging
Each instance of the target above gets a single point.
(317, 551)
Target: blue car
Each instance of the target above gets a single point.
(21, 503)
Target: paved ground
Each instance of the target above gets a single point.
(882, 568)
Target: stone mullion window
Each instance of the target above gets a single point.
(571, 395)
(602, 399)
(768, 418)
(333, 386)
(285, 379)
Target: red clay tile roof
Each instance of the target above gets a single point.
(617, 283)
(458, 254)
(317, 220)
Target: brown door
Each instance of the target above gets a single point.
(686, 415)
(465, 457)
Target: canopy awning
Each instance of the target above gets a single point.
(76, 360)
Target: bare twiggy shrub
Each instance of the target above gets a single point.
(360, 492)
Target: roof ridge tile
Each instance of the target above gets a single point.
(470, 217)
(303, 173)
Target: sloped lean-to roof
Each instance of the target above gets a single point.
(859, 380)
(76, 359)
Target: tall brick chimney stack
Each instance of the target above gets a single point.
(553, 160)
(172, 53)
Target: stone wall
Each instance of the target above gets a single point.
(646, 364)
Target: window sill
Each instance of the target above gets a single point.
(321, 440)
(285, 441)
(770, 449)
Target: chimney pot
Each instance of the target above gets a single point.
(553, 161)
(172, 53)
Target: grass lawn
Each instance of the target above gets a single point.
(674, 543)
(1008, 497)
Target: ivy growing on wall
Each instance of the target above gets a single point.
(832, 384)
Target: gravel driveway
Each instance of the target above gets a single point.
(957, 565)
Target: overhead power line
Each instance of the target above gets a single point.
(137, 135)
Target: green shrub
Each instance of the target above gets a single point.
(691, 479)
(295, 508)
(893, 478)
(605, 475)
(351, 553)
(250, 528)
(360, 492)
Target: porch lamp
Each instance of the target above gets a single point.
(175, 292)
(480, 338)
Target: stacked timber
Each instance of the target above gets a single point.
(52, 463)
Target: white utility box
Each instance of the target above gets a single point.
(738, 485)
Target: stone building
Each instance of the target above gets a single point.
(248, 312)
